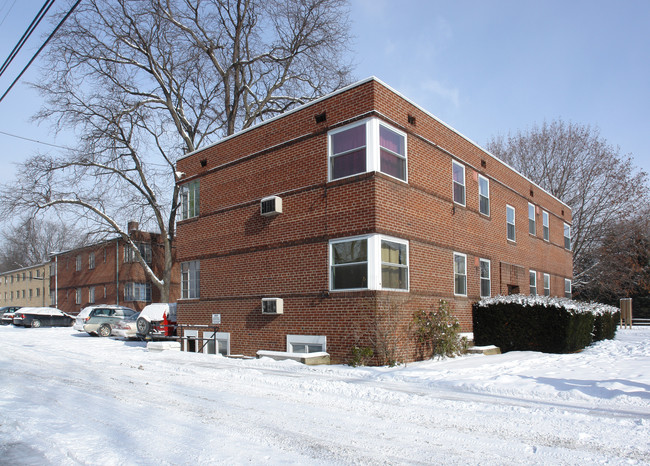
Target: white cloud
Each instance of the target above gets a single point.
(450, 94)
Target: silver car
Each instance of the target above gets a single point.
(102, 319)
(126, 328)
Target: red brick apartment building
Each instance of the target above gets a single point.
(108, 273)
(329, 226)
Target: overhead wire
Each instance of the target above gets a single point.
(7, 13)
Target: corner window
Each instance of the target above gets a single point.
(189, 200)
(485, 278)
(567, 288)
(190, 280)
(547, 285)
(545, 225)
(567, 236)
(306, 343)
(458, 176)
(460, 274)
(483, 195)
(531, 219)
(370, 145)
(369, 262)
(533, 282)
(510, 220)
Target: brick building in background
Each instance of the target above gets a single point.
(329, 226)
(28, 286)
(108, 273)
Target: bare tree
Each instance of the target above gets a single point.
(144, 82)
(575, 164)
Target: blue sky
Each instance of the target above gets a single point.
(483, 67)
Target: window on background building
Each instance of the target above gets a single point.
(77, 296)
(531, 219)
(458, 176)
(78, 263)
(547, 285)
(567, 288)
(91, 295)
(52, 298)
(30, 275)
(53, 269)
(137, 291)
(369, 262)
(567, 236)
(189, 200)
(545, 225)
(483, 195)
(460, 274)
(38, 292)
(23, 294)
(486, 282)
(510, 220)
(190, 280)
(143, 248)
(31, 293)
(533, 282)
(91, 260)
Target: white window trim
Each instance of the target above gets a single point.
(567, 281)
(567, 226)
(373, 153)
(184, 199)
(191, 334)
(374, 262)
(546, 230)
(547, 277)
(533, 219)
(190, 281)
(464, 184)
(481, 177)
(514, 222)
(306, 340)
(489, 278)
(532, 273)
(220, 336)
(454, 272)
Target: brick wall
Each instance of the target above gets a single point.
(245, 256)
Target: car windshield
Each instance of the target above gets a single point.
(133, 317)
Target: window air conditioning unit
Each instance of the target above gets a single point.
(271, 205)
(272, 306)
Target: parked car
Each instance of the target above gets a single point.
(126, 328)
(101, 320)
(7, 314)
(157, 320)
(87, 312)
(42, 317)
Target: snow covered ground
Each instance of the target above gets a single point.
(67, 398)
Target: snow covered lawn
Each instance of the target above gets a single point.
(68, 398)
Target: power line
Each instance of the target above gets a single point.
(41, 48)
(7, 13)
(34, 140)
(28, 32)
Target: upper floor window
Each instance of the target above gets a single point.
(533, 282)
(77, 296)
(137, 292)
(531, 219)
(485, 278)
(78, 264)
(458, 175)
(510, 220)
(370, 145)
(567, 236)
(547, 285)
(189, 199)
(145, 252)
(483, 195)
(460, 274)
(91, 260)
(190, 279)
(545, 225)
(369, 262)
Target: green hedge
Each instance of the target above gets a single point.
(538, 323)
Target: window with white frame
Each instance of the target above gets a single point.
(189, 200)
(545, 225)
(485, 278)
(190, 280)
(533, 282)
(216, 343)
(567, 288)
(531, 219)
(369, 262)
(78, 263)
(458, 176)
(77, 296)
(460, 274)
(306, 343)
(510, 220)
(137, 292)
(547, 285)
(143, 248)
(366, 146)
(91, 295)
(483, 195)
(567, 236)
(91, 260)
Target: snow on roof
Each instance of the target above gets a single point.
(42, 311)
(578, 307)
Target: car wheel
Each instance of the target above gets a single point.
(104, 330)
(36, 323)
(143, 326)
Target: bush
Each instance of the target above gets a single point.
(437, 332)
(361, 355)
(538, 323)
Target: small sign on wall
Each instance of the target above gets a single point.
(216, 319)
